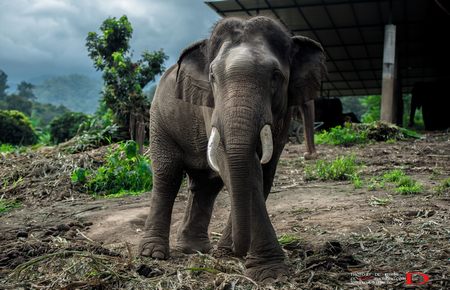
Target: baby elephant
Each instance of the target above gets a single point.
(222, 115)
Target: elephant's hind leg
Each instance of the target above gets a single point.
(193, 233)
(167, 177)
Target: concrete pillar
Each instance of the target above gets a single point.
(388, 95)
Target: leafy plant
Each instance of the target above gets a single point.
(125, 172)
(66, 126)
(342, 168)
(346, 135)
(16, 129)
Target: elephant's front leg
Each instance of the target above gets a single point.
(167, 177)
(265, 260)
(193, 233)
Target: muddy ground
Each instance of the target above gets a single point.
(335, 236)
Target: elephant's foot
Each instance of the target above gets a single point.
(156, 248)
(266, 271)
(191, 245)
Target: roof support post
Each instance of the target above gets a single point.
(388, 92)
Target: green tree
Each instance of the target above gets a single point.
(18, 103)
(3, 84)
(25, 90)
(124, 79)
(66, 126)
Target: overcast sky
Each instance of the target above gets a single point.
(47, 37)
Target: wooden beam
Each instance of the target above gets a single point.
(388, 96)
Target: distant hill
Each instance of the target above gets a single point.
(77, 92)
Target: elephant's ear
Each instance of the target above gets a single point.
(307, 70)
(192, 76)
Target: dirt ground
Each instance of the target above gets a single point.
(335, 236)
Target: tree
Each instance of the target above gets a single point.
(18, 103)
(124, 79)
(3, 84)
(25, 90)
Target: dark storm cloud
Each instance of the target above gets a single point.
(47, 37)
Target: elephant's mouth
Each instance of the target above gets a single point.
(214, 141)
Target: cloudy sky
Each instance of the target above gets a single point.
(47, 37)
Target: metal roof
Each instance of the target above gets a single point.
(352, 34)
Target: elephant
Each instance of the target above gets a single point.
(433, 98)
(221, 115)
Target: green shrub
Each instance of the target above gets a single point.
(65, 127)
(125, 172)
(96, 131)
(342, 168)
(346, 136)
(352, 134)
(16, 129)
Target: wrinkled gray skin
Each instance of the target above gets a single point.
(249, 73)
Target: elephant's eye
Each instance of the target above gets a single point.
(212, 78)
(277, 80)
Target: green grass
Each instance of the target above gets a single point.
(351, 134)
(125, 172)
(394, 175)
(341, 168)
(287, 239)
(7, 148)
(406, 185)
(380, 201)
(443, 187)
(7, 205)
(341, 136)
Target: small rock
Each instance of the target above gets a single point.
(22, 234)
(63, 227)
(148, 272)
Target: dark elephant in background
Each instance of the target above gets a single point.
(434, 99)
(222, 116)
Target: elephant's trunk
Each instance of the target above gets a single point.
(241, 130)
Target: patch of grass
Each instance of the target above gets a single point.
(341, 136)
(342, 168)
(7, 205)
(357, 181)
(375, 184)
(406, 185)
(380, 201)
(351, 134)
(288, 239)
(443, 187)
(394, 175)
(126, 172)
(7, 148)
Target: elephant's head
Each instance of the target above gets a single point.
(249, 72)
